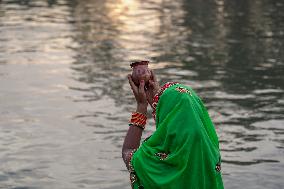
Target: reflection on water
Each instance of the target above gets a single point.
(65, 100)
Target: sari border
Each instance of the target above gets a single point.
(158, 95)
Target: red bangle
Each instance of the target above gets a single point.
(138, 119)
(140, 126)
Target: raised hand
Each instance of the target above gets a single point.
(139, 94)
(152, 88)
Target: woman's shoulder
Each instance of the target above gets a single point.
(175, 86)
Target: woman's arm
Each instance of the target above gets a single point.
(134, 133)
(133, 138)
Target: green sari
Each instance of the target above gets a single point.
(183, 152)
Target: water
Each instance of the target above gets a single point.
(65, 100)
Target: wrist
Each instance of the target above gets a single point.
(142, 108)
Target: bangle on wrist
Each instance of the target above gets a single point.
(135, 125)
(138, 119)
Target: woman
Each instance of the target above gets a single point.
(183, 152)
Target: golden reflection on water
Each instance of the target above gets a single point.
(126, 30)
(135, 31)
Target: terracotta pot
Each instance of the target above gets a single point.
(140, 71)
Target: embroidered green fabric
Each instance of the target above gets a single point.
(183, 152)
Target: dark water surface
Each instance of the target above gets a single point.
(65, 100)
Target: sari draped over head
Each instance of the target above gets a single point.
(183, 152)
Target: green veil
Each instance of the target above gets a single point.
(183, 152)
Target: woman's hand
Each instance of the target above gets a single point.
(140, 95)
(153, 88)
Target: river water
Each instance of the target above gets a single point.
(65, 99)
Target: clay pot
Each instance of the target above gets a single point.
(140, 71)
